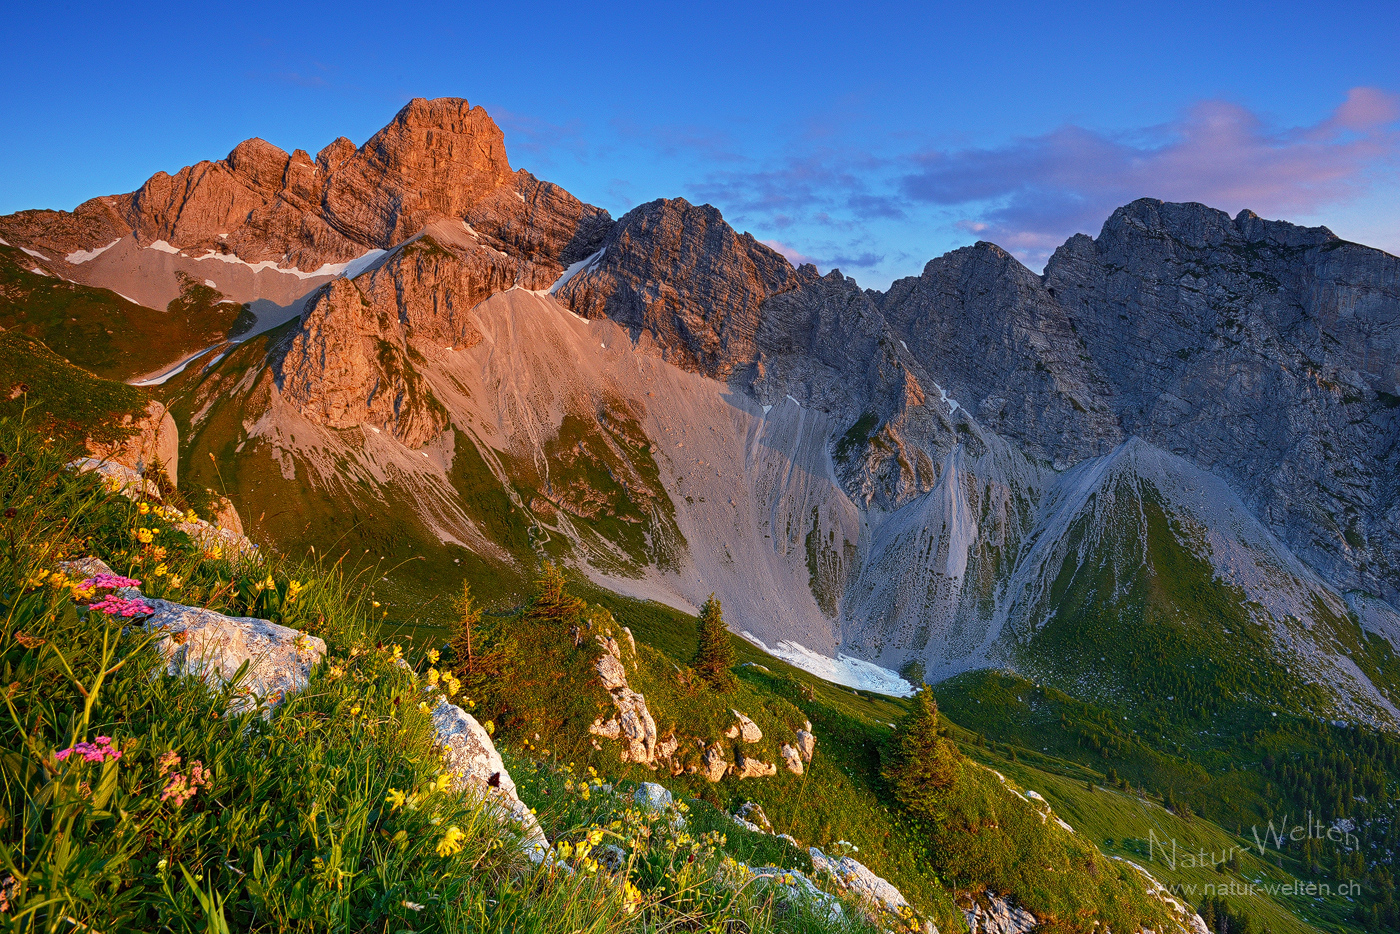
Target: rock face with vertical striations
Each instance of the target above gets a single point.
(679, 272)
(1264, 352)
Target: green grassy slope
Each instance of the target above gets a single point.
(59, 398)
(543, 698)
(137, 801)
(99, 330)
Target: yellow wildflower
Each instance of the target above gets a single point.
(433, 656)
(160, 570)
(354, 711)
(423, 706)
(144, 535)
(398, 650)
(433, 676)
(143, 508)
(175, 581)
(442, 783)
(564, 849)
(394, 798)
(294, 589)
(37, 578)
(451, 842)
(631, 897)
(490, 728)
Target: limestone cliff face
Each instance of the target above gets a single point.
(355, 359)
(678, 271)
(999, 344)
(435, 159)
(1265, 352)
(438, 159)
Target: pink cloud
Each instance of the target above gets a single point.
(1032, 193)
(792, 255)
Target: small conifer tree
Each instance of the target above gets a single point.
(468, 620)
(922, 764)
(715, 655)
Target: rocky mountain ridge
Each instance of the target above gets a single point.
(897, 475)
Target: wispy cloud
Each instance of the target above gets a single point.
(1030, 194)
(826, 182)
(541, 140)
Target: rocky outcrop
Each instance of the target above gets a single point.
(752, 766)
(991, 914)
(152, 445)
(874, 891)
(806, 743)
(679, 272)
(470, 755)
(350, 365)
(792, 761)
(713, 764)
(201, 643)
(633, 726)
(226, 515)
(752, 815)
(743, 729)
(652, 796)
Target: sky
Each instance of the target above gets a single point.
(867, 137)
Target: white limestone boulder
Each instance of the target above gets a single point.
(205, 644)
(470, 755)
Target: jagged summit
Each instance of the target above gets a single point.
(264, 225)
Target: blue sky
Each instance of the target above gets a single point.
(872, 137)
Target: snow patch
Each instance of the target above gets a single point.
(349, 269)
(173, 371)
(843, 669)
(35, 253)
(574, 269)
(211, 283)
(82, 256)
(164, 247)
(943, 394)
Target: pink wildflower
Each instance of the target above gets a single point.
(98, 751)
(109, 581)
(181, 788)
(121, 606)
(167, 761)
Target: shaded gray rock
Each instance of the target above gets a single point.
(653, 796)
(991, 914)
